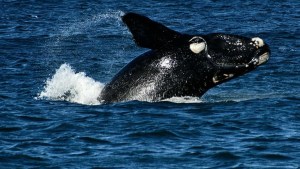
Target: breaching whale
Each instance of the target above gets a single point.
(178, 64)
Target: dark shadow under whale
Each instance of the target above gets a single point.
(179, 64)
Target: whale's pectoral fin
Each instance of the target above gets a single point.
(148, 33)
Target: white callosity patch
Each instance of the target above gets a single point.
(238, 43)
(197, 45)
(67, 85)
(217, 79)
(257, 42)
(255, 61)
(228, 75)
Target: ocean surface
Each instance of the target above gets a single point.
(56, 56)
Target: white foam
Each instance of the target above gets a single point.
(186, 99)
(70, 86)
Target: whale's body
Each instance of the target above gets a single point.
(180, 64)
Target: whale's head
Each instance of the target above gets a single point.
(233, 55)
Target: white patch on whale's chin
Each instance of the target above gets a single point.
(225, 76)
(263, 58)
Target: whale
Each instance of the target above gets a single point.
(179, 64)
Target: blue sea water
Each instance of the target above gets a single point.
(56, 56)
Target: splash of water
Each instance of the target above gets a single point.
(67, 85)
(89, 24)
(187, 99)
(70, 86)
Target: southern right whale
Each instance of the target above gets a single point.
(181, 64)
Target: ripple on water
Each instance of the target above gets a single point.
(225, 155)
(275, 156)
(156, 134)
(10, 129)
(92, 140)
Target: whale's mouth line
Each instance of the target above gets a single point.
(256, 61)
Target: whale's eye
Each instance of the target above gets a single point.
(197, 44)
